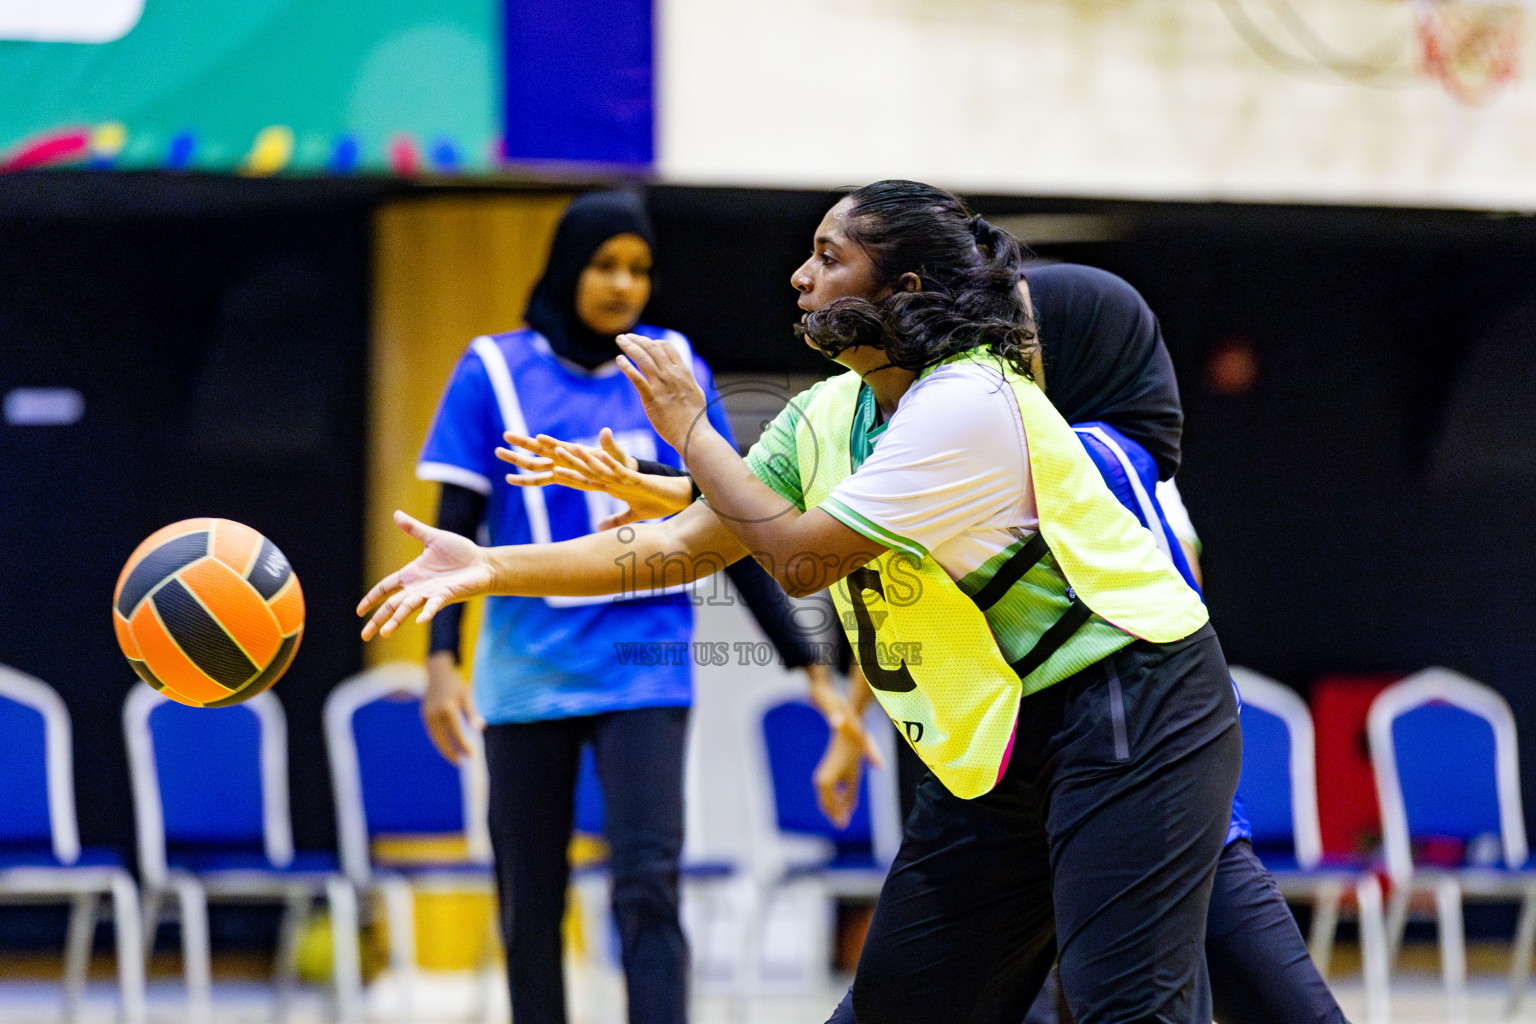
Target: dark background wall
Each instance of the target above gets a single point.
(221, 349)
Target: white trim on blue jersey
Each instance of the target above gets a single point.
(1148, 507)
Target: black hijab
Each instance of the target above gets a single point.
(587, 223)
(1105, 358)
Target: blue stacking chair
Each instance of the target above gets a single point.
(1446, 759)
(389, 780)
(40, 854)
(852, 860)
(1279, 793)
(210, 795)
(796, 844)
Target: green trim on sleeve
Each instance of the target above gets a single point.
(874, 531)
(775, 458)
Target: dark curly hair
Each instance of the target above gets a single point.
(969, 273)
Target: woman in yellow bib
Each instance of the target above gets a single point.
(1034, 646)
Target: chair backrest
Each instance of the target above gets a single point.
(792, 736)
(1279, 781)
(1444, 750)
(207, 777)
(37, 776)
(387, 776)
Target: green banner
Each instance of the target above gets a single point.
(259, 86)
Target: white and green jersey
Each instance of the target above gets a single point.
(1010, 564)
(948, 477)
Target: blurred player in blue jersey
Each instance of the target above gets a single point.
(551, 675)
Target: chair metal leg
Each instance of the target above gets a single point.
(128, 929)
(400, 917)
(153, 899)
(1373, 951)
(195, 956)
(1397, 920)
(1453, 947)
(753, 900)
(77, 950)
(1325, 924)
(285, 965)
(346, 958)
(1520, 955)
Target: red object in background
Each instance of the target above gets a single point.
(1232, 368)
(404, 160)
(46, 150)
(1346, 786)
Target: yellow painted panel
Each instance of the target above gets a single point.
(446, 270)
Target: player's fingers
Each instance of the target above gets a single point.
(415, 527)
(831, 796)
(430, 607)
(639, 353)
(666, 354)
(390, 618)
(577, 479)
(530, 479)
(471, 715)
(611, 447)
(381, 615)
(387, 585)
(643, 386)
(567, 456)
(612, 468)
(540, 444)
(443, 729)
(522, 460)
(850, 801)
(587, 459)
(517, 440)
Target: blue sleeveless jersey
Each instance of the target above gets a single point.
(1132, 476)
(542, 658)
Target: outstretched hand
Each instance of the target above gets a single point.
(450, 568)
(607, 468)
(673, 400)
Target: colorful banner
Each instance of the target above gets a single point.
(341, 86)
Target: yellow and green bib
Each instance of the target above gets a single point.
(927, 646)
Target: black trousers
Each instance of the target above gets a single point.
(533, 770)
(1260, 970)
(1098, 845)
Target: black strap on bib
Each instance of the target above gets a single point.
(1050, 642)
(1009, 573)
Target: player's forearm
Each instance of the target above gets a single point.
(764, 522)
(803, 552)
(635, 561)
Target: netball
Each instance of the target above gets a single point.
(208, 612)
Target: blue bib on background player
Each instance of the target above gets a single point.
(1132, 475)
(541, 658)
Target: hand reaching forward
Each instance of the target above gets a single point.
(450, 568)
(673, 400)
(608, 469)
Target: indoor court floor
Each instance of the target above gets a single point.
(596, 997)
